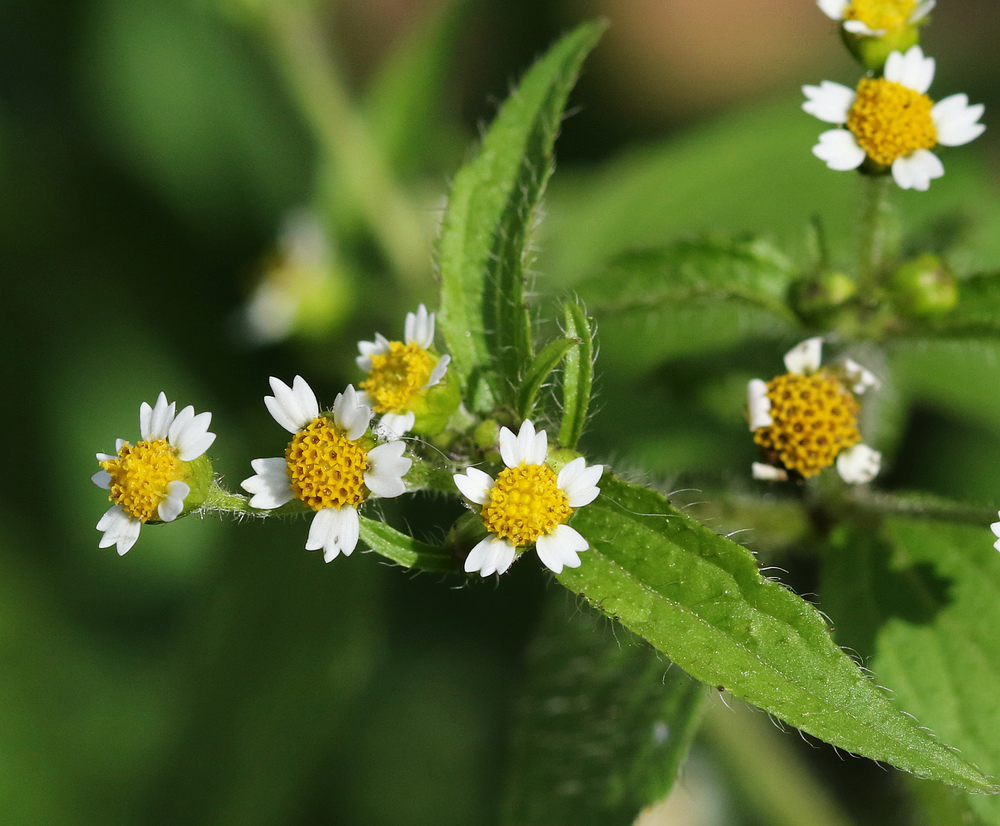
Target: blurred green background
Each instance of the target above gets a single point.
(150, 153)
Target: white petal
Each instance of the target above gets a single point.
(862, 378)
(921, 11)
(917, 170)
(834, 9)
(369, 349)
(838, 149)
(859, 28)
(393, 426)
(505, 554)
(119, 444)
(171, 507)
(579, 482)
(859, 464)
(956, 121)
(292, 407)
(351, 416)
(387, 467)
(419, 328)
(335, 530)
(995, 527)
(271, 487)
(475, 485)
(119, 529)
(805, 357)
(560, 548)
(489, 556)
(768, 473)
(830, 102)
(508, 447)
(530, 447)
(102, 479)
(190, 434)
(439, 370)
(911, 69)
(155, 423)
(758, 404)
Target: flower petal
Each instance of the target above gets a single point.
(917, 170)
(119, 529)
(859, 28)
(386, 468)
(758, 404)
(393, 426)
(921, 11)
(805, 357)
(419, 328)
(292, 407)
(491, 555)
(839, 150)
(859, 464)
(768, 473)
(531, 446)
(560, 548)
(190, 434)
(173, 505)
(911, 69)
(508, 447)
(830, 102)
(579, 482)
(102, 479)
(154, 423)
(438, 372)
(834, 9)
(351, 416)
(335, 530)
(369, 349)
(956, 121)
(995, 527)
(270, 487)
(475, 485)
(862, 378)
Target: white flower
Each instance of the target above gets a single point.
(326, 466)
(401, 372)
(146, 480)
(891, 121)
(995, 527)
(868, 21)
(806, 419)
(528, 504)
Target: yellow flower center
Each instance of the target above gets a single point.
(140, 475)
(397, 376)
(525, 503)
(881, 15)
(813, 418)
(327, 470)
(890, 120)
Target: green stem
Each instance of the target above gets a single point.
(769, 774)
(873, 230)
(315, 82)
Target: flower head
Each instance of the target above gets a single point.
(152, 480)
(528, 504)
(400, 373)
(890, 123)
(807, 419)
(874, 18)
(332, 465)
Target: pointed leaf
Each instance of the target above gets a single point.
(701, 599)
(578, 375)
(601, 727)
(539, 370)
(484, 234)
(405, 550)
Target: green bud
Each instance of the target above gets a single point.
(872, 52)
(434, 409)
(199, 479)
(467, 532)
(924, 287)
(820, 294)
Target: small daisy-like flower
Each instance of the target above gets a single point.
(149, 481)
(332, 465)
(528, 504)
(891, 123)
(807, 419)
(401, 372)
(874, 18)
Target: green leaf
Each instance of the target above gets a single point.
(919, 600)
(701, 599)
(602, 724)
(578, 375)
(539, 370)
(405, 550)
(484, 233)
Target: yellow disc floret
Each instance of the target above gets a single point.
(140, 475)
(326, 469)
(525, 503)
(397, 376)
(881, 15)
(813, 418)
(890, 120)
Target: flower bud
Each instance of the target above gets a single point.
(924, 287)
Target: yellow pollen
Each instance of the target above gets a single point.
(890, 120)
(879, 15)
(814, 418)
(327, 470)
(525, 503)
(397, 376)
(140, 475)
